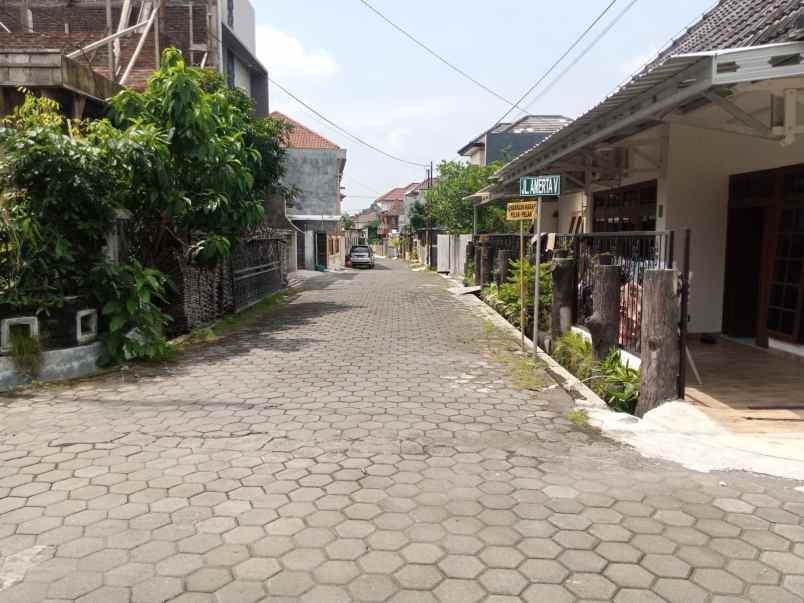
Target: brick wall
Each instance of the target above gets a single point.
(75, 23)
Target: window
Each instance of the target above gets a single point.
(626, 209)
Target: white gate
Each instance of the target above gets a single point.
(444, 253)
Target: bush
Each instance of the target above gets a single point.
(616, 384)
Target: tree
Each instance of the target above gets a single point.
(221, 165)
(347, 221)
(447, 205)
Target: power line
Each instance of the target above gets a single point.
(342, 130)
(560, 59)
(433, 53)
(583, 53)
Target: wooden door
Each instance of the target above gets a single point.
(786, 302)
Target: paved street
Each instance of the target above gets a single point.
(371, 441)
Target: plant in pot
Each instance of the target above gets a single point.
(564, 250)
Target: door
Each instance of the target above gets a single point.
(300, 263)
(786, 302)
(743, 264)
(321, 249)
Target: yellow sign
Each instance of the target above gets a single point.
(521, 210)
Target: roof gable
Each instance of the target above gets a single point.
(302, 137)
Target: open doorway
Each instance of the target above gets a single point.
(744, 252)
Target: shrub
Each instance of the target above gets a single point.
(616, 384)
(26, 354)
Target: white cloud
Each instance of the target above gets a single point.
(285, 56)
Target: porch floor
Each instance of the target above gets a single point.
(740, 382)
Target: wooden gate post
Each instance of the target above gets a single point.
(478, 264)
(604, 324)
(660, 340)
(485, 264)
(503, 259)
(563, 274)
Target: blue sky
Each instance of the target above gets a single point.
(359, 72)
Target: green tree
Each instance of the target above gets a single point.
(347, 221)
(448, 207)
(221, 165)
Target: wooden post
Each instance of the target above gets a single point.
(478, 263)
(604, 324)
(660, 340)
(563, 272)
(503, 265)
(485, 264)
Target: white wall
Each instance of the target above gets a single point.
(245, 26)
(569, 205)
(700, 164)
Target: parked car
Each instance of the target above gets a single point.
(360, 255)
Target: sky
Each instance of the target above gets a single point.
(355, 69)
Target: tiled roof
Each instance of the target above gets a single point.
(736, 24)
(396, 194)
(730, 24)
(302, 137)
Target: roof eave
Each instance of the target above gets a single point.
(667, 86)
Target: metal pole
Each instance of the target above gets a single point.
(522, 283)
(537, 279)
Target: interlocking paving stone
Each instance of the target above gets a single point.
(271, 466)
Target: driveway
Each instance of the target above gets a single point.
(373, 440)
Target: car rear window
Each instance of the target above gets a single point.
(361, 249)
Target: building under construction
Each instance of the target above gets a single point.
(81, 52)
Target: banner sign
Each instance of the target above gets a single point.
(521, 210)
(540, 186)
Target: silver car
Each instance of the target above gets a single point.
(360, 255)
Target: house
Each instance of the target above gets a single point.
(314, 167)
(63, 47)
(391, 208)
(709, 136)
(505, 141)
(414, 195)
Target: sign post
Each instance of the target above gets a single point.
(538, 186)
(521, 211)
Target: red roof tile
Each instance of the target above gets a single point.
(302, 137)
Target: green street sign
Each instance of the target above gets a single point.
(540, 186)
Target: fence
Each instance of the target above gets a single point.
(258, 267)
(634, 253)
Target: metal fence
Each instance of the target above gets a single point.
(634, 252)
(257, 267)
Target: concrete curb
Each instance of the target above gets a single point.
(675, 432)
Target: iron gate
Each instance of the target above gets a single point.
(258, 268)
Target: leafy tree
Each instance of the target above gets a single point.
(347, 221)
(446, 201)
(61, 183)
(221, 163)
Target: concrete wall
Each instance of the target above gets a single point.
(569, 205)
(57, 365)
(315, 172)
(245, 24)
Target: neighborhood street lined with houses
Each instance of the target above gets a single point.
(559, 360)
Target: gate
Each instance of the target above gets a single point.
(634, 252)
(257, 268)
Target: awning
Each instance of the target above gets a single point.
(680, 80)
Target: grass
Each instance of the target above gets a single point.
(578, 417)
(26, 354)
(233, 322)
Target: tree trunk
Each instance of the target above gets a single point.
(660, 340)
(485, 264)
(563, 272)
(478, 264)
(503, 259)
(604, 324)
